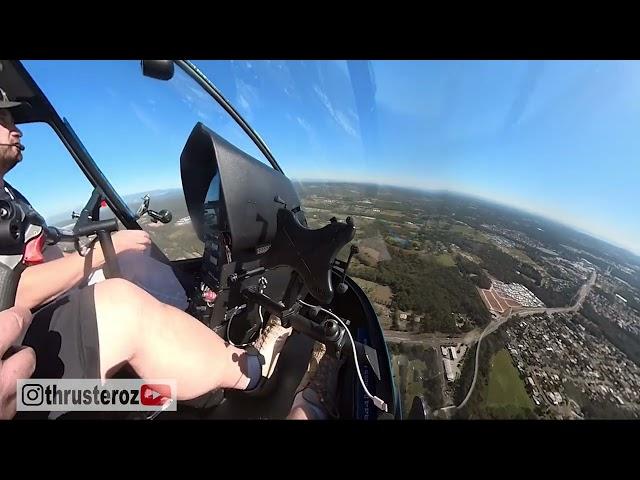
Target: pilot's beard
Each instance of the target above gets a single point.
(8, 161)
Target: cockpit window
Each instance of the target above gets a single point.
(135, 128)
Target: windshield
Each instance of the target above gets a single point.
(495, 204)
(135, 128)
(483, 192)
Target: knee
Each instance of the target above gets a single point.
(116, 288)
(120, 299)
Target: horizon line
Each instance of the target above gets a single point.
(597, 236)
(545, 216)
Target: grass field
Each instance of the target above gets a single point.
(378, 293)
(523, 257)
(470, 232)
(413, 385)
(410, 383)
(445, 260)
(392, 213)
(506, 392)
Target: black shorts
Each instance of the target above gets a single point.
(64, 336)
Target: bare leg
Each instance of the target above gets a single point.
(303, 410)
(316, 394)
(298, 413)
(160, 341)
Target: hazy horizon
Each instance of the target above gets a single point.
(496, 201)
(553, 138)
(471, 195)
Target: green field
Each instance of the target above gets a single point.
(523, 257)
(472, 233)
(417, 376)
(445, 260)
(506, 394)
(378, 293)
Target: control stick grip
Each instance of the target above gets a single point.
(8, 285)
(112, 269)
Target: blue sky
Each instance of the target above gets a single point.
(560, 138)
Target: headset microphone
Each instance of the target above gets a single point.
(19, 145)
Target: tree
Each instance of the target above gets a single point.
(394, 322)
(484, 281)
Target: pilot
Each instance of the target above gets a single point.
(93, 331)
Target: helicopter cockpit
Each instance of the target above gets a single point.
(259, 258)
(254, 230)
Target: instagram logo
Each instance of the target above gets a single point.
(32, 394)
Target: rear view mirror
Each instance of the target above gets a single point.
(163, 216)
(158, 69)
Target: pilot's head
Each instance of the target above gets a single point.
(10, 134)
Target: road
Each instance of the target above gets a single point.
(497, 323)
(582, 294)
(432, 339)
